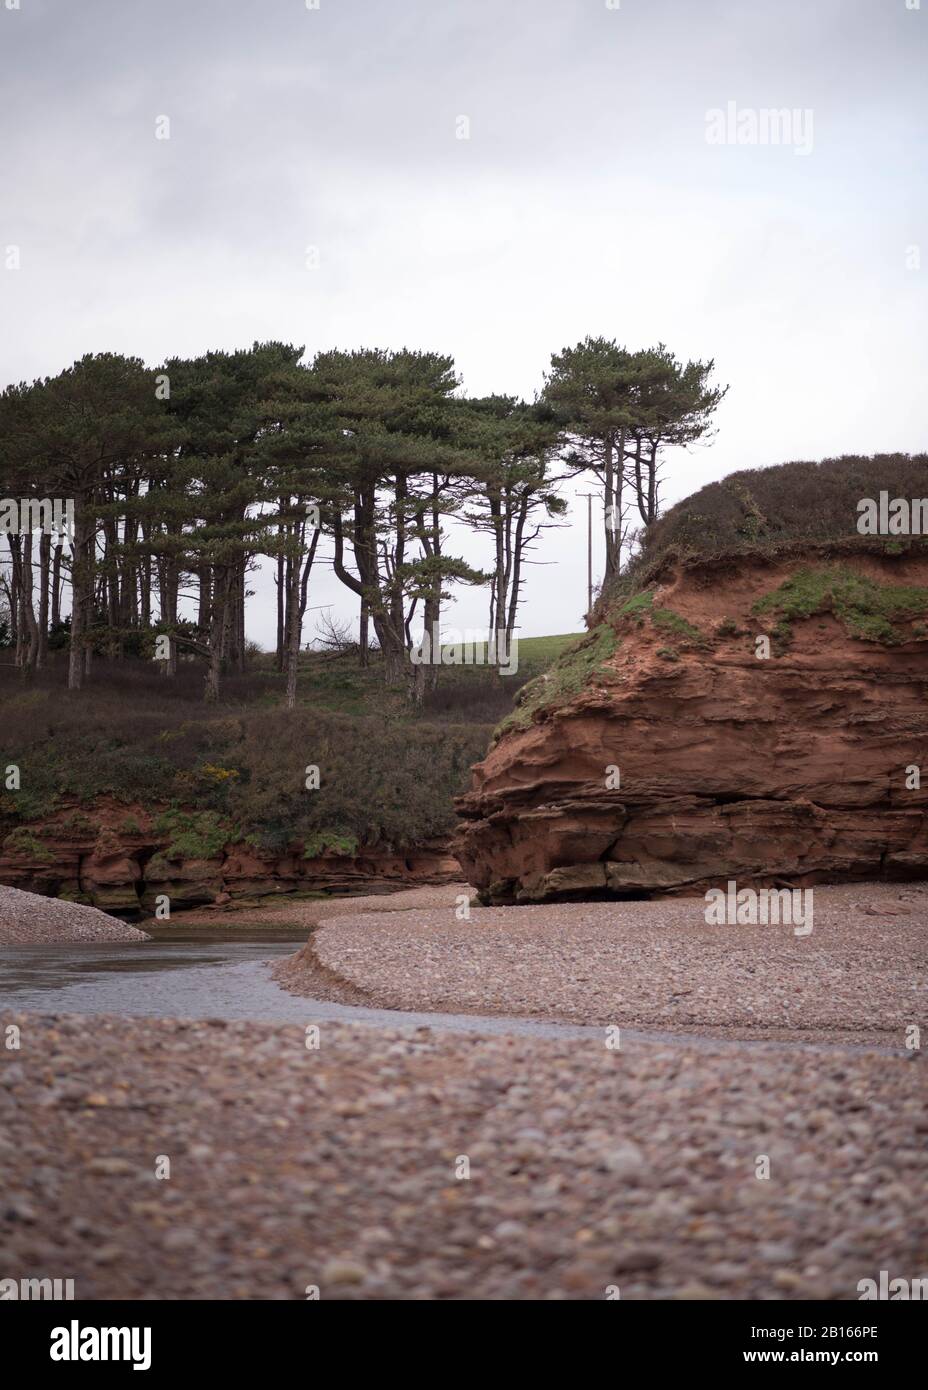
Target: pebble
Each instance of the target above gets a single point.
(652, 964)
(341, 1271)
(646, 1178)
(111, 1167)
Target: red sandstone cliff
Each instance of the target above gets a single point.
(790, 770)
(115, 859)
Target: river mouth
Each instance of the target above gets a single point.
(175, 974)
(224, 972)
(206, 972)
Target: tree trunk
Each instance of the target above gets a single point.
(169, 584)
(144, 573)
(281, 593)
(293, 627)
(22, 578)
(15, 542)
(111, 573)
(422, 676)
(235, 623)
(608, 484)
(393, 647)
(222, 583)
(45, 551)
(204, 600)
(612, 506)
(498, 587)
(296, 607)
(234, 628)
(241, 654)
(129, 588)
(618, 535)
(81, 588)
(15, 625)
(56, 585)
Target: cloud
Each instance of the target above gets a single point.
(586, 200)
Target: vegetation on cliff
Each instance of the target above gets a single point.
(766, 508)
(868, 610)
(573, 669)
(236, 772)
(805, 510)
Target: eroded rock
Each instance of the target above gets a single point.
(790, 769)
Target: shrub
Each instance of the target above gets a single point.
(792, 501)
(868, 610)
(193, 834)
(25, 842)
(381, 781)
(769, 510)
(334, 840)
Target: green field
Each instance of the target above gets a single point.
(473, 692)
(537, 653)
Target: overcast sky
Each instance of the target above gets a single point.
(590, 197)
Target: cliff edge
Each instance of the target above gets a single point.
(761, 715)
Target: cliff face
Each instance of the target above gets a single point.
(121, 860)
(667, 755)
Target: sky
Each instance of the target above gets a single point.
(494, 179)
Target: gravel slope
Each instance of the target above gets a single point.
(28, 919)
(335, 1167)
(861, 975)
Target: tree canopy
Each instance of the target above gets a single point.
(182, 477)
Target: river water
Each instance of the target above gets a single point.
(204, 972)
(225, 972)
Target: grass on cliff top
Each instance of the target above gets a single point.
(567, 676)
(641, 607)
(770, 511)
(868, 610)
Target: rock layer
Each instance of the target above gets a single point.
(684, 759)
(118, 862)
